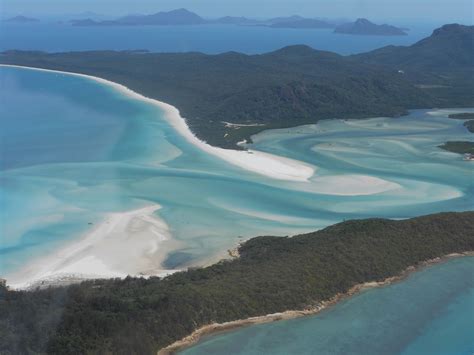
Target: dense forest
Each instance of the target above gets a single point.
(441, 65)
(289, 87)
(460, 147)
(272, 274)
(462, 116)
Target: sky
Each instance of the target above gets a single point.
(444, 11)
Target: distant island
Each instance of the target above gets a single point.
(299, 22)
(233, 20)
(364, 27)
(174, 17)
(292, 86)
(184, 17)
(181, 17)
(21, 19)
(296, 21)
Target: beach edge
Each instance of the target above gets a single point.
(269, 165)
(216, 328)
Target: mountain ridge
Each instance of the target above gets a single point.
(185, 17)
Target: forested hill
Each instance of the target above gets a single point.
(442, 65)
(449, 47)
(292, 86)
(273, 274)
(288, 87)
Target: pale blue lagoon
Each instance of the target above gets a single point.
(73, 151)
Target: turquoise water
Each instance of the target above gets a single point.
(73, 150)
(431, 312)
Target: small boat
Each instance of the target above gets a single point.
(468, 157)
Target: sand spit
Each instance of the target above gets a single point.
(127, 243)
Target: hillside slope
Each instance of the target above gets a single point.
(273, 274)
(442, 65)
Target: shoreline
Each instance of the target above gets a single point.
(75, 262)
(61, 272)
(133, 243)
(216, 328)
(269, 165)
(262, 163)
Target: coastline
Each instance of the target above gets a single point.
(262, 163)
(57, 267)
(124, 243)
(216, 328)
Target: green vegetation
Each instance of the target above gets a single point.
(461, 147)
(469, 125)
(273, 274)
(462, 116)
(292, 86)
(450, 47)
(442, 64)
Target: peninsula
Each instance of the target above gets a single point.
(271, 275)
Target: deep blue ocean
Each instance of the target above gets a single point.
(55, 37)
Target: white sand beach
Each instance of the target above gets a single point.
(129, 243)
(137, 242)
(269, 165)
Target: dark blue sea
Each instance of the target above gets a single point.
(57, 37)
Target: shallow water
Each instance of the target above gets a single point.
(73, 150)
(430, 312)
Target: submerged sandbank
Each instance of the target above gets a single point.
(266, 164)
(352, 185)
(127, 243)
